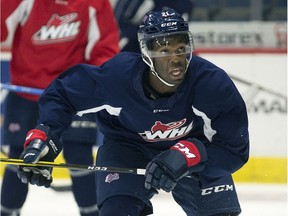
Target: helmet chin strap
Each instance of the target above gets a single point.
(156, 74)
(163, 81)
(150, 64)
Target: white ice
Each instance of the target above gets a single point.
(255, 199)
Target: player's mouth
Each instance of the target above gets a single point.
(177, 72)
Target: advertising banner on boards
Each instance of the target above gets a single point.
(240, 35)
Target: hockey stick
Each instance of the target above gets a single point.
(37, 91)
(61, 188)
(22, 89)
(73, 166)
(257, 86)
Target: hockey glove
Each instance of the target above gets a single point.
(182, 159)
(39, 144)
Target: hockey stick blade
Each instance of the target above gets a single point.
(73, 166)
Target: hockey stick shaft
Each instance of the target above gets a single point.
(37, 91)
(246, 82)
(73, 166)
(21, 89)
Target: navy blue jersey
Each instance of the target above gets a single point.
(206, 106)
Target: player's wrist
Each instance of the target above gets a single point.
(40, 139)
(40, 132)
(192, 150)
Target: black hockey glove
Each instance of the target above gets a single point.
(39, 144)
(182, 159)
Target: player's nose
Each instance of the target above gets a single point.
(175, 58)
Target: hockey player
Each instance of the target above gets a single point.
(181, 119)
(46, 38)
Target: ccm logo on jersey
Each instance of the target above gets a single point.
(217, 189)
(160, 110)
(169, 131)
(83, 124)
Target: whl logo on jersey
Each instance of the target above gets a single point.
(58, 29)
(170, 131)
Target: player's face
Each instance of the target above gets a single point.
(171, 62)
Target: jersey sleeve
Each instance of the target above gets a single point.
(103, 33)
(228, 149)
(11, 12)
(71, 92)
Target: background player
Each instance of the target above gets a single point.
(129, 15)
(163, 111)
(46, 38)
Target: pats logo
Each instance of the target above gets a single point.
(14, 127)
(57, 29)
(111, 177)
(170, 131)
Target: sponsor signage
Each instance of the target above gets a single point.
(239, 35)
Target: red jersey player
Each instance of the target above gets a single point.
(46, 38)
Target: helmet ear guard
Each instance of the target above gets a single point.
(159, 26)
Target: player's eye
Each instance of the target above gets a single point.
(164, 51)
(181, 50)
